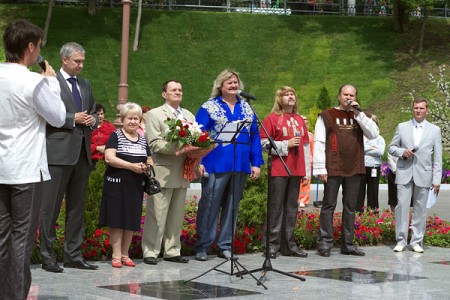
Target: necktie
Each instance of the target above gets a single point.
(177, 113)
(75, 92)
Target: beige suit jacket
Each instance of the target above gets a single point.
(168, 166)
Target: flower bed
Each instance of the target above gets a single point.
(371, 228)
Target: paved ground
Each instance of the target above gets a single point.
(381, 274)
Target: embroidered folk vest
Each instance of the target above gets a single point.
(344, 143)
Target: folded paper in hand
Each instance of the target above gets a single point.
(432, 197)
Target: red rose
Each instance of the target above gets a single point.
(182, 133)
(202, 138)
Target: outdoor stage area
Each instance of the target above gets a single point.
(381, 274)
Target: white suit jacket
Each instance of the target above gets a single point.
(425, 167)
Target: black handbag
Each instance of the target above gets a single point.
(152, 186)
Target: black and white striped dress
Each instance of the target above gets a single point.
(121, 205)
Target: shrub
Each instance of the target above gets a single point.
(323, 102)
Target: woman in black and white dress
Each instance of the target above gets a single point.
(127, 156)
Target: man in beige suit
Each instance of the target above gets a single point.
(165, 210)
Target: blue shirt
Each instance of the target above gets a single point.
(214, 114)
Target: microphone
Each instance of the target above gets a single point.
(349, 102)
(296, 134)
(245, 95)
(41, 62)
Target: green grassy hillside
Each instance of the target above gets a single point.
(305, 52)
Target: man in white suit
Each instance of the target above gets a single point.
(417, 144)
(165, 210)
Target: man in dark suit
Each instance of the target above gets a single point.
(69, 159)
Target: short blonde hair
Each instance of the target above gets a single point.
(221, 78)
(130, 107)
(278, 105)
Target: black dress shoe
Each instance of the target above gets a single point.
(324, 252)
(177, 259)
(150, 260)
(355, 252)
(299, 253)
(80, 264)
(52, 267)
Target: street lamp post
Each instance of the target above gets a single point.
(123, 85)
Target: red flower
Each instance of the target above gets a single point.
(182, 133)
(202, 138)
(98, 233)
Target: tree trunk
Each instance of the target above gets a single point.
(47, 22)
(401, 21)
(138, 26)
(92, 7)
(422, 31)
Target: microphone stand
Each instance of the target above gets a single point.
(234, 260)
(267, 265)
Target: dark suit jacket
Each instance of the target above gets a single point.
(64, 144)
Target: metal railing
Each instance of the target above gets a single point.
(325, 7)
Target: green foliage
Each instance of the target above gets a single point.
(93, 198)
(184, 45)
(324, 101)
(307, 229)
(252, 208)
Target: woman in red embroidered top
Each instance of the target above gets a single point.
(100, 135)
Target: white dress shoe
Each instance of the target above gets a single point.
(399, 248)
(417, 248)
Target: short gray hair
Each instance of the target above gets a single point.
(69, 48)
(130, 107)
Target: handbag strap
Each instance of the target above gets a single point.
(151, 172)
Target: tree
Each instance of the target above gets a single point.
(439, 105)
(92, 7)
(47, 22)
(324, 102)
(440, 112)
(138, 26)
(402, 10)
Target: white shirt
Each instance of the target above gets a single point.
(178, 113)
(29, 100)
(417, 133)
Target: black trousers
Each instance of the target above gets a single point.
(19, 213)
(283, 203)
(69, 183)
(373, 187)
(350, 188)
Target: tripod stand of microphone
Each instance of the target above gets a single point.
(267, 265)
(235, 264)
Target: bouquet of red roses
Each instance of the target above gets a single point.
(191, 140)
